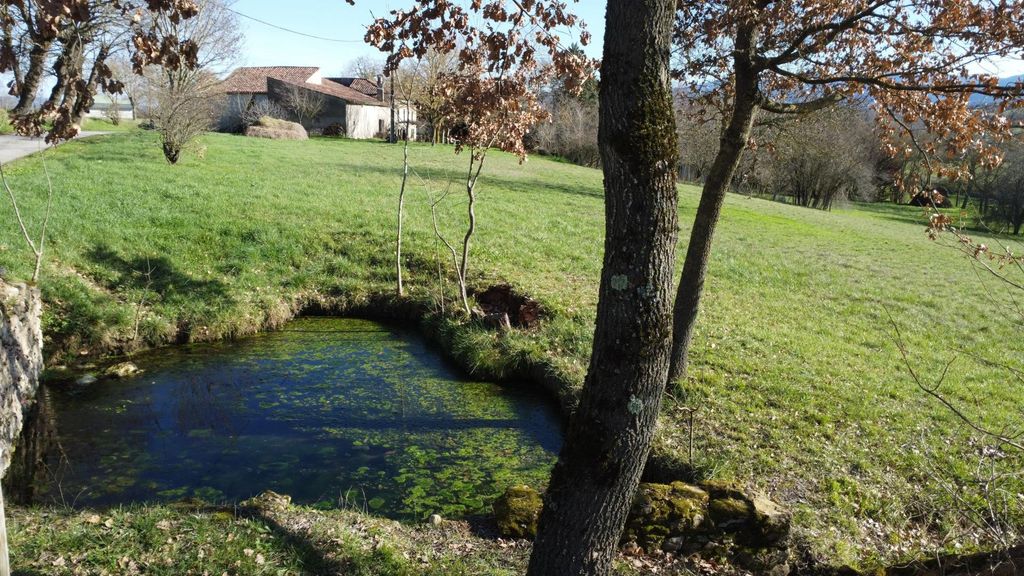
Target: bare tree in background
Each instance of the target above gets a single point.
(817, 160)
(366, 67)
(186, 98)
(133, 86)
(571, 132)
(305, 105)
(422, 79)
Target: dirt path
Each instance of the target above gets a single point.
(14, 147)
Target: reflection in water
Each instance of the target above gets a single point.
(30, 469)
(331, 411)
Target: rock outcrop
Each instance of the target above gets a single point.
(21, 360)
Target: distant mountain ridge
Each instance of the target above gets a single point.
(982, 100)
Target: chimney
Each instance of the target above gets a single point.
(380, 87)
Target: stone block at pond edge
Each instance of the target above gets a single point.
(663, 511)
(681, 518)
(517, 512)
(21, 360)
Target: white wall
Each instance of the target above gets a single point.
(364, 122)
(98, 113)
(373, 121)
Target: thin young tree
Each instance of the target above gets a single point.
(912, 58)
(489, 96)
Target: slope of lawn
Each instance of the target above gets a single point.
(798, 387)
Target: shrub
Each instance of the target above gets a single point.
(113, 112)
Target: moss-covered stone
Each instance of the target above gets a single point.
(517, 512)
(122, 370)
(720, 490)
(268, 500)
(763, 561)
(731, 514)
(664, 511)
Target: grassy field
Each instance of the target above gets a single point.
(105, 125)
(798, 387)
(264, 541)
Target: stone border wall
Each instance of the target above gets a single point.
(21, 360)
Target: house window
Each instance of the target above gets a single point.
(380, 126)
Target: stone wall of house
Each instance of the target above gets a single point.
(21, 360)
(333, 113)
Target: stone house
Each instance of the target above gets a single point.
(362, 108)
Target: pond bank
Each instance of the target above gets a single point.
(481, 350)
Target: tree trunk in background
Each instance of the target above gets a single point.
(67, 65)
(698, 251)
(610, 434)
(84, 99)
(33, 76)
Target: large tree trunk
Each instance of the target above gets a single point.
(33, 76)
(698, 252)
(610, 434)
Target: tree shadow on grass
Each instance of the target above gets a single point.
(439, 178)
(157, 276)
(902, 213)
(314, 561)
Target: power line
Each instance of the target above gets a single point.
(290, 31)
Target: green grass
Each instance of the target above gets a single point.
(283, 541)
(799, 388)
(5, 123)
(105, 125)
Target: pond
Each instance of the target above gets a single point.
(334, 412)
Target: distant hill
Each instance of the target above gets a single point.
(981, 100)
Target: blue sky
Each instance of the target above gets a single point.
(266, 46)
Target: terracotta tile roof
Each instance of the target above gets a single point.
(363, 85)
(331, 88)
(254, 79)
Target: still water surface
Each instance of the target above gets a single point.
(334, 412)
